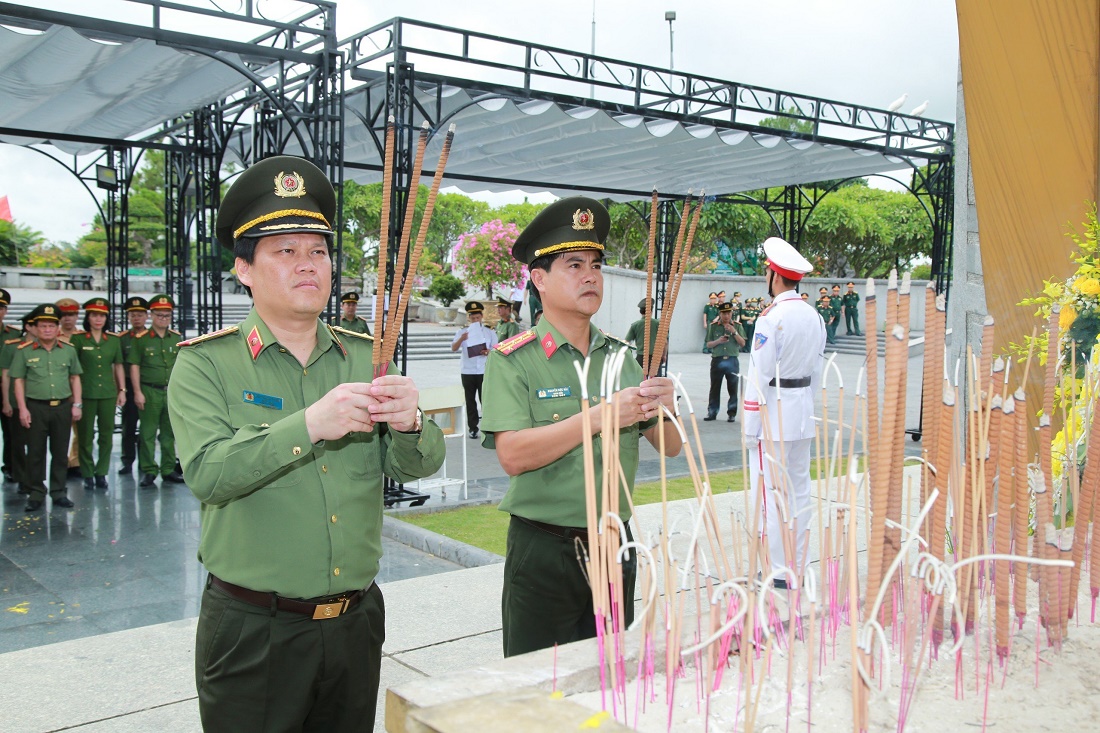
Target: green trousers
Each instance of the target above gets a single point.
(546, 598)
(48, 435)
(98, 419)
(851, 320)
(260, 670)
(154, 421)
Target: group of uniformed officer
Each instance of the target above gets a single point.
(60, 381)
(829, 307)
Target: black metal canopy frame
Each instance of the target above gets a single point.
(302, 88)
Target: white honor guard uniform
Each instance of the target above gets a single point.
(785, 362)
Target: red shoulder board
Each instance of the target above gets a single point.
(507, 346)
(208, 336)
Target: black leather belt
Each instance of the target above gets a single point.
(791, 383)
(564, 533)
(320, 609)
(154, 386)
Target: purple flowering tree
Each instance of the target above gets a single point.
(483, 258)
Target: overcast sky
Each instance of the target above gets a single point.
(863, 51)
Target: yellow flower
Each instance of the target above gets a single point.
(1066, 317)
(1087, 285)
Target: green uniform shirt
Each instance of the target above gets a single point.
(825, 311)
(280, 514)
(97, 359)
(47, 372)
(155, 355)
(357, 324)
(834, 305)
(636, 333)
(7, 354)
(127, 337)
(537, 384)
(850, 300)
(507, 330)
(731, 347)
(710, 312)
(9, 332)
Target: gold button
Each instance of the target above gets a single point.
(305, 371)
(264, 425)
(334, 519)
(296, 451)
(324, 469)
(557, 416)
(336, 571)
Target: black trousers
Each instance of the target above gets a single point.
(259, 670)
(471, 384)
(546, 598)
(9, 446)
(50, 428)
(130, 416)
(723, 367)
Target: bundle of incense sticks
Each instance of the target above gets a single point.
(647, 347)
(387, 331)
(680, 257)
(973, 520)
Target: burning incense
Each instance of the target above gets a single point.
(383, 248)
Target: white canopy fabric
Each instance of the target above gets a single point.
(552, 148)
(61, 82)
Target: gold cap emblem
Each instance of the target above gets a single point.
(289, 185)
(583, 219)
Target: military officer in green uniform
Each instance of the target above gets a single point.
(506, 327)
(851, 310)
(103, 387)
(137, 312)
(152, 357)
(7, 333)
(835, 304)
(824, 309)
(710, 315)
(533, 420)
(349, 304)
(635, 336)
(284, 435)
(18, 437)
(747, 319)
(725, 340)
(47, 392)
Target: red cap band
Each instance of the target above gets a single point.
(789, 274)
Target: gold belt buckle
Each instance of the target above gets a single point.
(55, 403)
(330, 610)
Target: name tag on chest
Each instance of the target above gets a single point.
(263, 400)
(549, 393)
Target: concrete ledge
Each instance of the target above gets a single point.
(465, 555)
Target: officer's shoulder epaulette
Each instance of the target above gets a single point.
(616, 339)
(8, 342)
(173, 331)
(26, 344)
(507, 346)
(79, 333)
(346, 332)
(770, 306)
(112, 333)
(209, 336)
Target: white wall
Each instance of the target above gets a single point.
(624, 288)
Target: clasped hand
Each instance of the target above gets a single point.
(356, 406)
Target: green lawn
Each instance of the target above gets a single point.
(486, 527)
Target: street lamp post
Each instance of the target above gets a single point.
(670, 15)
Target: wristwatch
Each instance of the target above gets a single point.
(79, 405)
(418, 423)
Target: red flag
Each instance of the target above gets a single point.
(5, 209)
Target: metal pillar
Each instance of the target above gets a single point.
(116, 223)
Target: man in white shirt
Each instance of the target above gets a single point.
(472, 344)
(785, 364)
